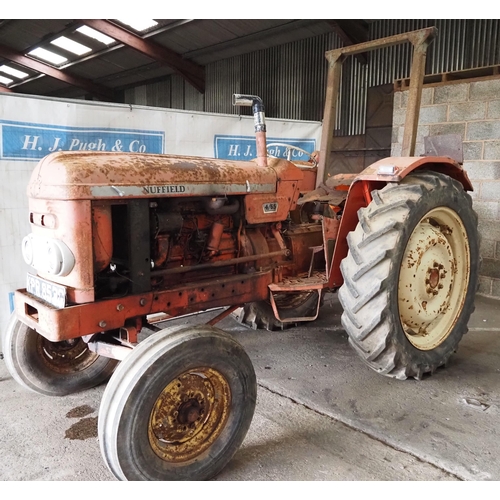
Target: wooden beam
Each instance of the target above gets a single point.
(190, 71)
(87, 85)
(420, 39)
(351, 32)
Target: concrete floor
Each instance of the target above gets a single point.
(321, 414)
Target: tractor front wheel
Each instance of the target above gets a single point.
(178, 406)
(411, 275)
(52, 368)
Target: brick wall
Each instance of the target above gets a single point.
(471, 109)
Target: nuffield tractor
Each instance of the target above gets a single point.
(121, 240)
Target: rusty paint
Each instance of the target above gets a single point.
(308, 183)
(67, 357)
(331, 196)
(74, 227)
(215, 237)
(301, 283)
(276, 230)
(220, 263)
(258, 246)
(162, 242)
(260, 142)
(82, 319)
(340, 180)
(72, 175)
(109, 350)
(405, 165)
(296, 319)
(434, 278)
(189, 415)
(367, 192)
(223, 314)
(102, 236)
(301, 240)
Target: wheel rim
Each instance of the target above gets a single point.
(189, 415)
(68, 356)
(433, 278)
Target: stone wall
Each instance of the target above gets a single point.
(471, 109)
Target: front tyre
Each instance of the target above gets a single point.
(178, 407)
(52, 368)
(411, 275)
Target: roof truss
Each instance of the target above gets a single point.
(190, 71)
(93, 88)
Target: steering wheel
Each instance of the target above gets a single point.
(289, 155)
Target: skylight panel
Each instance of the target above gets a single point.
(71, 45)
(47, 55)
(139, 24)
(96, 35)
(5, 80)
(12, 71)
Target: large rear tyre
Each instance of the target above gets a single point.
(178, 407)
(260, 315)
(411, 275)
(52, 368)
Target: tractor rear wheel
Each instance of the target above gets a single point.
(260, 315)
(178, 407)
(411, 275)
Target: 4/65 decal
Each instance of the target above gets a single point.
(270, 207)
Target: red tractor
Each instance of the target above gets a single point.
(121, 241)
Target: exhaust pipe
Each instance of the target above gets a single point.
(259, 122)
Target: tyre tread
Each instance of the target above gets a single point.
(367, 270)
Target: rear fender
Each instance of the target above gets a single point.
(359, 195)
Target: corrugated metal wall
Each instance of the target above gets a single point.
(460, 44)
(291, 78)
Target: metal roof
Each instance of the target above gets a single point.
(182, 46)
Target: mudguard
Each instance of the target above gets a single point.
(376, 176)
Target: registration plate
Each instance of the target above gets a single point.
(54, 294)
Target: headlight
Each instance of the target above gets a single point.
(48, 255)
(27, 249)
(54, 259)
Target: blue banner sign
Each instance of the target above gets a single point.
(231, 147)
(26, 141)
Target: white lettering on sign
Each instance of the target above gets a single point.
(49, 292)
(164, 189)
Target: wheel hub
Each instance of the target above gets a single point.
(189, 414)
(433, 278)
(67, 356)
